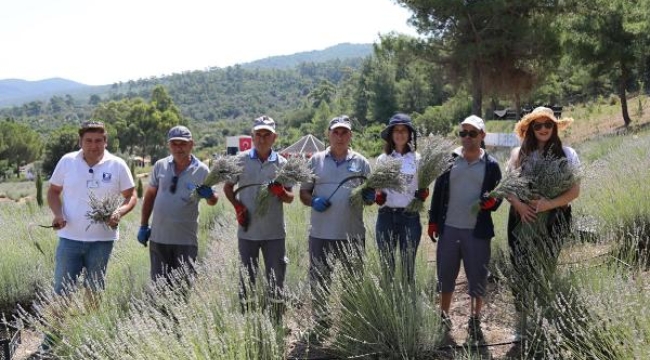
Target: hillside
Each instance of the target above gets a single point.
(15, 91)
(341, 52)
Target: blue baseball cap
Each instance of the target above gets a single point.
(179, 132)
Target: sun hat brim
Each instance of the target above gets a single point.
(385, 133)
(540, 113)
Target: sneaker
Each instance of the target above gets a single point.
(474, 332)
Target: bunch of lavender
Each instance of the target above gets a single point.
(512, 182)
(101, 209)
(435, 156)
(386, 175)
(295, 171)
(549, 176)
(224, 168)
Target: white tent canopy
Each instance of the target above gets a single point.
(306, 146)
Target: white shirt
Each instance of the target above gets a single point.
(410, 163)
(110, 176)
(571, 155)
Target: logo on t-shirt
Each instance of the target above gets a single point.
(106, 177)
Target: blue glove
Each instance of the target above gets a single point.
(319, 204)
(143, 234)
(205, 192)
(368, 195)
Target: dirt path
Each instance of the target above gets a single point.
(498, 312)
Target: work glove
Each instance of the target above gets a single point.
(319, 204)
(368, 195)
(242, 215)
(276, 189)
(488, 203)
(380, 198)
(421, 194)
(205, 192)
(143, 234)
(433, 231)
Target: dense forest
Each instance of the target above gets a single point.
(472, 56)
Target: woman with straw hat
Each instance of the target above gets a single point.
(540, 145)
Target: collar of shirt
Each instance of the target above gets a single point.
(348, 156)
(408, 155)
(80, 156)
(461, 155)
(193, 159)
(272, 157)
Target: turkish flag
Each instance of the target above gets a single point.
(245, 144)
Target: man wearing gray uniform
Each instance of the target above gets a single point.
(337, 229)
(257, 232)
(173, 231)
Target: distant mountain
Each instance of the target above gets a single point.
(13, 91)
(17, 92)
(341, 51)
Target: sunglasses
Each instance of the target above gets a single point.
(172, 188)
(547, 124)
(471, 133)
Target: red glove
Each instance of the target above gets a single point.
(380, 198)
(488, 203)
(242, 215)
(433, 231)
(422, 194)
(276, 189)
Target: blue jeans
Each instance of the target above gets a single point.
(72, 257)
(398, 227)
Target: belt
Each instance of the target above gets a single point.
(392, 209)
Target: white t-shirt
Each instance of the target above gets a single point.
(571, 155)
(110, 176)
(410, 163)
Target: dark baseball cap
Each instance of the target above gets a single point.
(179, 132)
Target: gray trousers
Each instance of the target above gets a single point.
(322, 254)
(275, 263)
(166, 258)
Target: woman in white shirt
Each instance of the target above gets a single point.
(396, 226)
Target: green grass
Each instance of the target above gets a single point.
(17, 190)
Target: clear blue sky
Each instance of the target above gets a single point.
(101, 42)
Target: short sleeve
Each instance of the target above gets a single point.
(572, 156)
(60, 170)
(514, 157)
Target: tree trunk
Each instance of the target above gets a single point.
(477, 89)
(621, 93)
(518, 105)
(646, 77)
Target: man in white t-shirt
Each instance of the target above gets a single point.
(85, 245)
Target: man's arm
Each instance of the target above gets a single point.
(128, 204)
(147, 204)
(229, 191)
(305, 197)
(55, 204)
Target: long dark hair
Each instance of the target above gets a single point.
(529, 144)
(389, 145)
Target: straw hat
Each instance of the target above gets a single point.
(540, 112)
